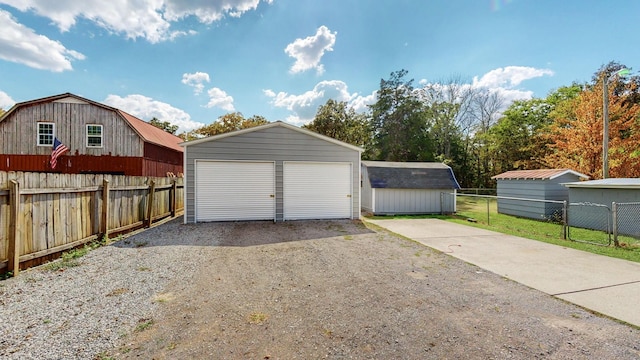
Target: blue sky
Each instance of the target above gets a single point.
(190, 61)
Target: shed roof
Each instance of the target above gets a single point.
(541, 174)
(614, 183)
(267, 126)
(146, 131)
(410, 175)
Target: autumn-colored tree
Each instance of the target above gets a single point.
(518, 140)
(576, 134)
(230, 122)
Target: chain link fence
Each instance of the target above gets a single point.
(626, 224)
(583, 218)
(584, 222)
(491, 210)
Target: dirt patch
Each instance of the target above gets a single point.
(336, 289)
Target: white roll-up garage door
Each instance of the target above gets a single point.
(315, 190)
(234, 190)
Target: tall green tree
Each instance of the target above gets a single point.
(337, 120)
(164, 125)
(514, 140)
(400, 122)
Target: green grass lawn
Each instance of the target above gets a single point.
(545, 231)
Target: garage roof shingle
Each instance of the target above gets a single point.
(410, 175)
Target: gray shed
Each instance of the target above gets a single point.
(407, 187)
(605, 192)
(544, 184)
(273, 172)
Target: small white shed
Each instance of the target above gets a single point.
(392, 188)
(273, 172)
(542, 184)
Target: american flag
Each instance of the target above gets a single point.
(58, 149)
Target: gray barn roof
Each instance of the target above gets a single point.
(410, 175)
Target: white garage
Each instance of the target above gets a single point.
(236, 190)
(272, 172)
(317, 190)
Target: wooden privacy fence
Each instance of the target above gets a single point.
(42, 214)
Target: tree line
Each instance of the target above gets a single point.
(466, 127)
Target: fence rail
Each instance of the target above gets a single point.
(44, 214)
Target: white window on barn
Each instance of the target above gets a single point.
(94, 135)
(46, 133)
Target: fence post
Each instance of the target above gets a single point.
(488, 223)
(614, 218)
(152, 192)
(174, 188)
(14, 228)
(565, 221)
(104, 221)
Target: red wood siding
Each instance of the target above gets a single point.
(162, 154)
(74, 164)
(158, 160)
(160, 169)
(84, 164)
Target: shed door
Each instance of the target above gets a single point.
(234, 190)
(317, 190)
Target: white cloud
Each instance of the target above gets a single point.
(134, 19)
(196, 80)
(503, 81)
(305, 106)
(509, 76)
(146, 108)
(150, 19)
(208, 11)
(219, 98)
(22, 45)
(6, 102)
(361, 103)
(269, 93)
(309, 51)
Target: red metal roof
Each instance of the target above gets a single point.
(151, 133)
(542, 174)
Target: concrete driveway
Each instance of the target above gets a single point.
(603, 284)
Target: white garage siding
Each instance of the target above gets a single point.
(235, 190)
(315, 190)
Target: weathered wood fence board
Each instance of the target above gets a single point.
(56, 212)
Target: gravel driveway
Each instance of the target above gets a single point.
(294, 290)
